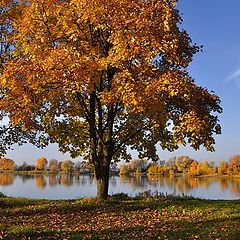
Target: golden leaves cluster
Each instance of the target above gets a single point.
(66, 47)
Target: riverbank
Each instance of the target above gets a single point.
(38, 172)
(119, 218)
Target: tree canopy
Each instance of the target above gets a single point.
(41, 163)
(100, 77)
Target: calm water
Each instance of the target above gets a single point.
(69, 187)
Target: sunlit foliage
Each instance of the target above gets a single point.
(40, 181)
(100, 76)
(234, 164)
(184, 165)
(7, 164)
(67, 166)
(41, 163)
(53, 165)
(223, 167)
(6, 179)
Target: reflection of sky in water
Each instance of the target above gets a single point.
(65, 187)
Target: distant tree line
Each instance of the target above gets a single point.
(175, 165)
(182, 165)
(42, 164)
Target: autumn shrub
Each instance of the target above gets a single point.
(120, 196)
(149, 194)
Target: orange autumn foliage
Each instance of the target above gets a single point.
(193, 168)
(100, 76)
(41, 163)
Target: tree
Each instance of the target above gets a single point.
(41, 163)
(171, 164)
(53, 165)
(137, 166)
(204, 168)
(25, 167)
(9, 133)
(152, 169)
(234, 164)
(97, 80)
(7, 164)
(67, 166)
(123, 169)
(223, 167)
(183, 163)
(78, 166)
(193, 168)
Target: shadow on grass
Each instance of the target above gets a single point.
(179, 230)
(8, 202)
(194, 228)
(222, 229)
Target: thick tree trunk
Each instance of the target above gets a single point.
(101, 144)
(102, 177)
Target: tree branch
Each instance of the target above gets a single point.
(83, 105)
(129, 137)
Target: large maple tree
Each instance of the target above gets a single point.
(100, 77)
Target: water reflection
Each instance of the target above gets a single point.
(52, 180)
(66, 180)
(40, 181)
(235, 187)
(223, 183)
(82, 185)
(133, 182)
(26, 177)
(6, 179)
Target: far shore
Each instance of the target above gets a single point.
(47, 172)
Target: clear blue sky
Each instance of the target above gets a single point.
(215, 25)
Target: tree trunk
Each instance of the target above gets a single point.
(102, 177)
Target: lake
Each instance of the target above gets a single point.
(76, 186)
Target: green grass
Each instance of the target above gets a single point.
(120, 217)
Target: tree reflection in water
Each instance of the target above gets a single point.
(67, 179)
(136, 181)
(7, 179)
(183, 184)
(52, 180)
(223, 183)
(26, 177)
(235, 186)
(128, 184)
(40, 181)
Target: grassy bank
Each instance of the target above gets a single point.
(125, 218)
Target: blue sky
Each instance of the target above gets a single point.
(215, 25)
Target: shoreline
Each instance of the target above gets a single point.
(115, 174)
